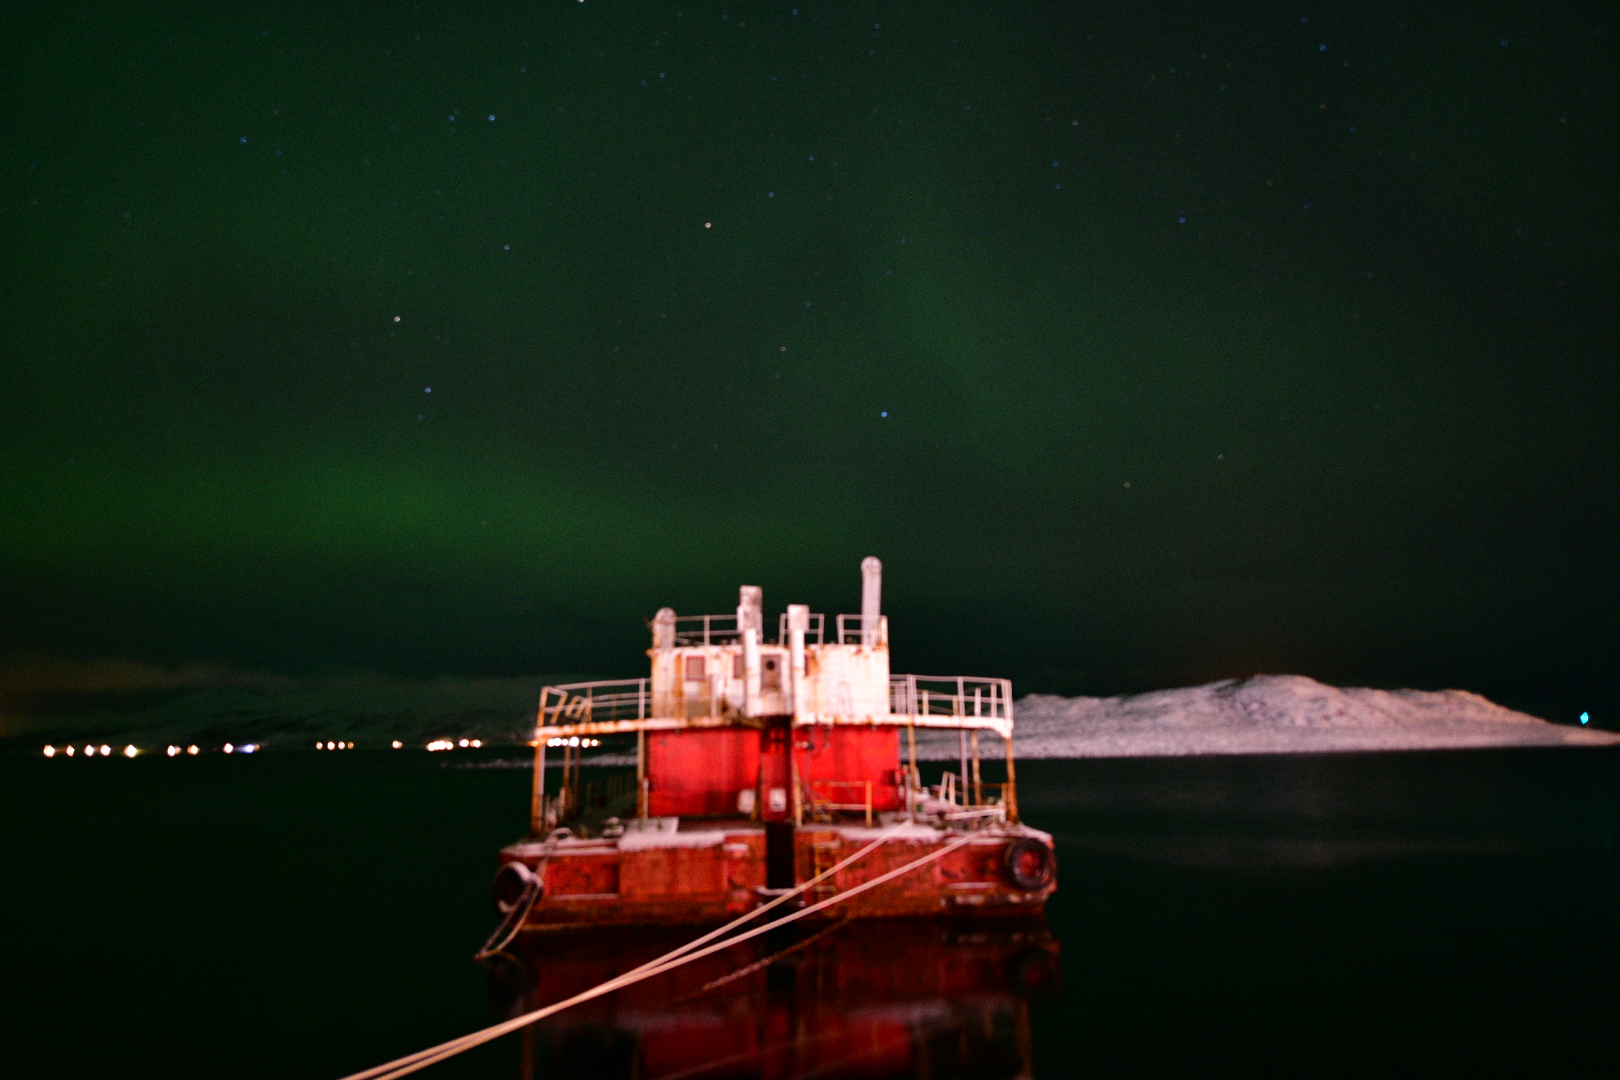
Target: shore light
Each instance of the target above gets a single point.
(172, 750)
(229, 748)
(192, 749)
(105, 750)
(397, 744)
(50, 751)
(462, 742)
(130, 751)
(70, 751)
(248, 748)
(1585, 718)
(90, 751)
(476, 743)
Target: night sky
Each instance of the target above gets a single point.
(1146, 344)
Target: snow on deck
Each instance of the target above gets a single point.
(1266, 714)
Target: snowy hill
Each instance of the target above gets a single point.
(1266, 714)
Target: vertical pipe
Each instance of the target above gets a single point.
(961, 745)
(537, 798)
(750, 609)
(798, 621)
(978, 787)
(911, 772)
(641, 773)
(871, 599)
(664, 629)
(1011, 798)
(570, 778)
(750, 639)
(793, 776)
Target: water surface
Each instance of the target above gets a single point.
(309, 915)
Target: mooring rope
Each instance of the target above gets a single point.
(509, 927)
(686, 954)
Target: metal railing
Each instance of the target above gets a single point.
(706, 630)
(812, 636)
(950, 695)
(823, 806)
(722, 629)
(587, 702)
(848, 630)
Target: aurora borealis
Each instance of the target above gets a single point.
(453, 340)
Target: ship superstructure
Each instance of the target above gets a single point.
(762, 761)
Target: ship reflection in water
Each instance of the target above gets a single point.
(864, 998)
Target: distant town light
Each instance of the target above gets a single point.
(172, 750)
(229, 748)
(105, 750)
(69, 751)
(130, 751)
(248, 748)
(463, 742)
(397, 744)
(476, 743)
(192, 749)
(50, 751)
(89, 751)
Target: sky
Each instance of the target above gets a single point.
(1147, 344)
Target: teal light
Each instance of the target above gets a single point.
(1584, 718)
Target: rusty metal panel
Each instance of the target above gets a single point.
(701, 771)
(843, 754)
(673, 873)
(581, 876)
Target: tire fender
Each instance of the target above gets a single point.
(1030, 864)
(512, 880)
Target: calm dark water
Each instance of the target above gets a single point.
(308, 915)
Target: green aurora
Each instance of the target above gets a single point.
(432, 340)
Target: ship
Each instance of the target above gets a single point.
(769, 767)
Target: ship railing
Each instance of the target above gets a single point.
(950, 695)
(850, 630)
(814, 634)
(722, 629)
(820, 805)
(706, 630)
(595, 702)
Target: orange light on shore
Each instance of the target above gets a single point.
(50, 751)
(130, 751)
(105, 750)
(70, 751)
(397, 744)
(89, 751)
(172, 750)
(192, 749)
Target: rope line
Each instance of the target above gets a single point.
(681, 957)
(509, 927)
(760, 965)
(673, 953)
